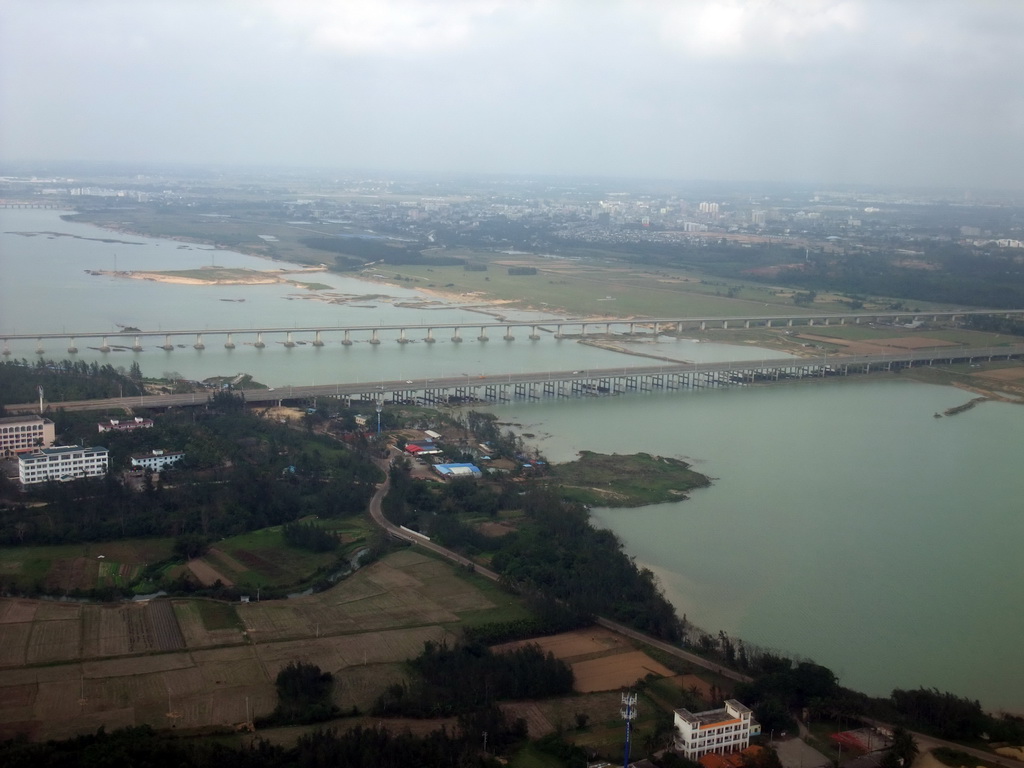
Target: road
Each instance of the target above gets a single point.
(924, 741)
(377, 513)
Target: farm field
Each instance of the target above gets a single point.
(600, 660)
(69, 567)
(68, 668)
(262, 558)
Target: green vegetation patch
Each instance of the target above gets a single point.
(262, 558)
(603, 480)
(217, 615)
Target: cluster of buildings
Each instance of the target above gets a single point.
(31, 439)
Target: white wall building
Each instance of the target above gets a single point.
(156, 459)
(62, 463)
(717, 730)
(23, 434)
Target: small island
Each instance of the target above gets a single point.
(217, 276)
(603, 480)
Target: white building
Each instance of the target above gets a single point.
(157, 459)
(117, 425)
(62, 463)
(717, 730)
(23, 434)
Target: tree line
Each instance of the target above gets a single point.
(355, 748)
(65, 380)
(469, 677)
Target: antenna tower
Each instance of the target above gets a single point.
(628, 713)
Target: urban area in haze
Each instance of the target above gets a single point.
(512, 383)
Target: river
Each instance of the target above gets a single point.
(845, 522)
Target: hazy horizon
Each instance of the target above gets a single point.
(842, 92)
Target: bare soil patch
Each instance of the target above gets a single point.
(618, 671)
(77, 573)
(495, 530)
(207, 574)
(568, 645)
(1002, 374)
(221, 557)
(16, 611)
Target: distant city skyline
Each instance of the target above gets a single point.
(807, 91)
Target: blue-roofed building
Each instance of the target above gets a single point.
(450, 471)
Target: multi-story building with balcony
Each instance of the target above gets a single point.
(718, 731)
(23, 434)
(62, 463)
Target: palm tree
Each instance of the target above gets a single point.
(903, 746)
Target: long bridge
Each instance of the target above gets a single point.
(404, 333)
(510, 387)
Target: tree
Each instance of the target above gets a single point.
(303, 694)
(903, 747)
(190, 545)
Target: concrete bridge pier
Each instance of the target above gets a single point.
(746, 324)
(703, 325)
(789, 323)
(558, 332)
(72, 349)
(483, 334)
(768, 324)
(39, 347)
(375, 338)
(725, 325)
(508, 334)
(455, 337)
(632, 329)
(230, 343)
(167, 347)
(288, 340)
(401, 336)
(137, 346)
(259, 341)
(583, 330)
(104, 347)
(430, 336)
(347, 341)
(317, 341)
(199, 342)
(7, 349)
(534, 336)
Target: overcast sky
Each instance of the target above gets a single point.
(922, 92)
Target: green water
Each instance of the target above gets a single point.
(845, 524)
